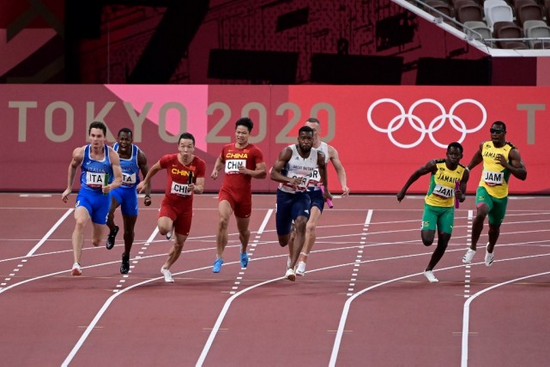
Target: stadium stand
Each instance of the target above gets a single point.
(499, 24)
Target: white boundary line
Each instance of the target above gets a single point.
(105, 306)
(221, 316)
(225, 308)
(47, 235)
(466, 314)
(102, 311)
(229, 301)
(347, 305)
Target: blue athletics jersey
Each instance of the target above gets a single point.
(130, 168)
(92, 176)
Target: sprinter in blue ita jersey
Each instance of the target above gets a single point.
(132, 162)
(100, 174)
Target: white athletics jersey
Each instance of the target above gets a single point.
(324, 149)
(300, 167)
(316, 180)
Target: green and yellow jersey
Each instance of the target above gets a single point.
(441, 192)
(495, 177)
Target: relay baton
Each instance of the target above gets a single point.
(329, 202)
(457, 186)
(106, 183)
(190, 180)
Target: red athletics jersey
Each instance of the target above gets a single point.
(177, 187)
(232, 158)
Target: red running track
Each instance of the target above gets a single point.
(362, 302)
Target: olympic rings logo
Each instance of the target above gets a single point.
(418, 124)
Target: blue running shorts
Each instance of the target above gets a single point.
(290, 207)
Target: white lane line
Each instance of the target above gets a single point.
(345, 312)
(137, 258)
(228, 302)
(468, 267)
(359, 256)
(2, 290)
(221, 316)
(251, 248)
(117, 292)
(347, 305)
(106, 305)
(466, 313)
(266, 220)
(47, 235)
(37, 246)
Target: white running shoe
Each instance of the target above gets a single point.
(76, 270)
(489, 256)
(290, 275)
(301, 269)
(169, 235)
(430, 276)
(467, 258)
(167, 275)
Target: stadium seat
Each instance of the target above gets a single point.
(457, 3)
(491, 3)
(499, 11)
(440, 6)
(512, 32)
(532, 23)
(517, 3)
(528, 12)
(542, 45)
(514, 45)
(508, 24)
(535, 30)
(479, 27)
(466, 12)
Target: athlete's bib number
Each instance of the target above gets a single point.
(291, 188)
(314, 178)
(304, 183)
(232, 165)
(180, 189)
(443, 191)
(95, 179)
(493, 178)
(128, 179)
